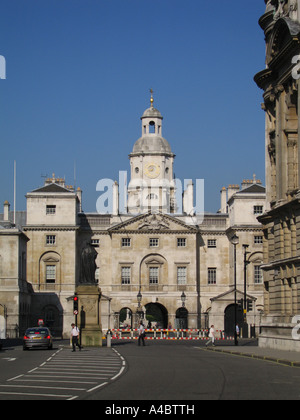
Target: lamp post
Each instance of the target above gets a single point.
(139, 310)
(235, 242)
(245, 326)
(183, 299)
(139, 299)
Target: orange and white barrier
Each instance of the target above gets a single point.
(166, 334)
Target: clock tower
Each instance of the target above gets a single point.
(152, 186)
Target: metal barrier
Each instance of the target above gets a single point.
(166, 334)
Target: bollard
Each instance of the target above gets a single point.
(108, 339)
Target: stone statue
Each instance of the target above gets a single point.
(282, 9)
(88, 264)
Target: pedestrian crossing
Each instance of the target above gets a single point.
(66, 375)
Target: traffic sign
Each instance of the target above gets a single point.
(75, 312)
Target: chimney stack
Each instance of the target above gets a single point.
(6, 211)
(223, 200)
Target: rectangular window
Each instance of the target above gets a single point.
(50, 274)
(212, 276)
(212, 243)
(50, 209)
(258, 239)
(95, 242)
(126, 275)
(50, 240)
(181, 276)
(258, 275)
(126, 242)
(153, 275)
(181, 242)
(154, 243)
(258, 209)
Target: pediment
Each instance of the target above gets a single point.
(149, 223)
(50, 260)
(229, 296)
(154, 261)
(284, 31)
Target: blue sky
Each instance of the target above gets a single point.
(78, 80)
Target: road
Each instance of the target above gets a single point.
(160, 371)
(185, 371)
(58, 374)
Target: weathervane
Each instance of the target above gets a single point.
(151, 100)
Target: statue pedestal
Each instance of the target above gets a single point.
(89, 321)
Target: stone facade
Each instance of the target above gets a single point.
(15, 292)
(180, 265)
(281, 222)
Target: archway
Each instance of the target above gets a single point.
(52, 317)
(155, 312)
(125, 318)
(181, 320)
(229, 326)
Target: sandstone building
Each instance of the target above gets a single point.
(157, 259)
(281, 222)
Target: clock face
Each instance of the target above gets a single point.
(152, 170)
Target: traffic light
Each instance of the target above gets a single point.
(249, 305)
(75, 303)
(241, 305)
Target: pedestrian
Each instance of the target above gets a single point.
(211, 336)
(237, 331)
(142, 333)
(75, 337)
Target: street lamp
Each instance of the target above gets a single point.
(139, 299)
(245, 326)
(139, 311)
(235, 242)
(183, 299)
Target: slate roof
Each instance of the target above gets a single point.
(52, 188)
(254, 188)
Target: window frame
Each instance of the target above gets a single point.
(181, 242)
(126, 277)
(212, 276)
(50, 240)
(50, 278)
(153, 277)
(181, 280)
(126, 243)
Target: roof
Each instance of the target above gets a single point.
(152, 144)
(52, 188)
(254, 189)
(152, 112)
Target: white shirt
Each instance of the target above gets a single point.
(141, 329)
(75, 332)
(212, 333)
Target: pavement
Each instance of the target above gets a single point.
(283, 357)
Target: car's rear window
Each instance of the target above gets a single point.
(36, 331)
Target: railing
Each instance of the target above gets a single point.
(166, 334)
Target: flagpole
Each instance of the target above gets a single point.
(15, 187)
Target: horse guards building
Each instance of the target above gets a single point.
(158, 259)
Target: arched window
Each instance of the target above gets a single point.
(49, 271)
(152, 127)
